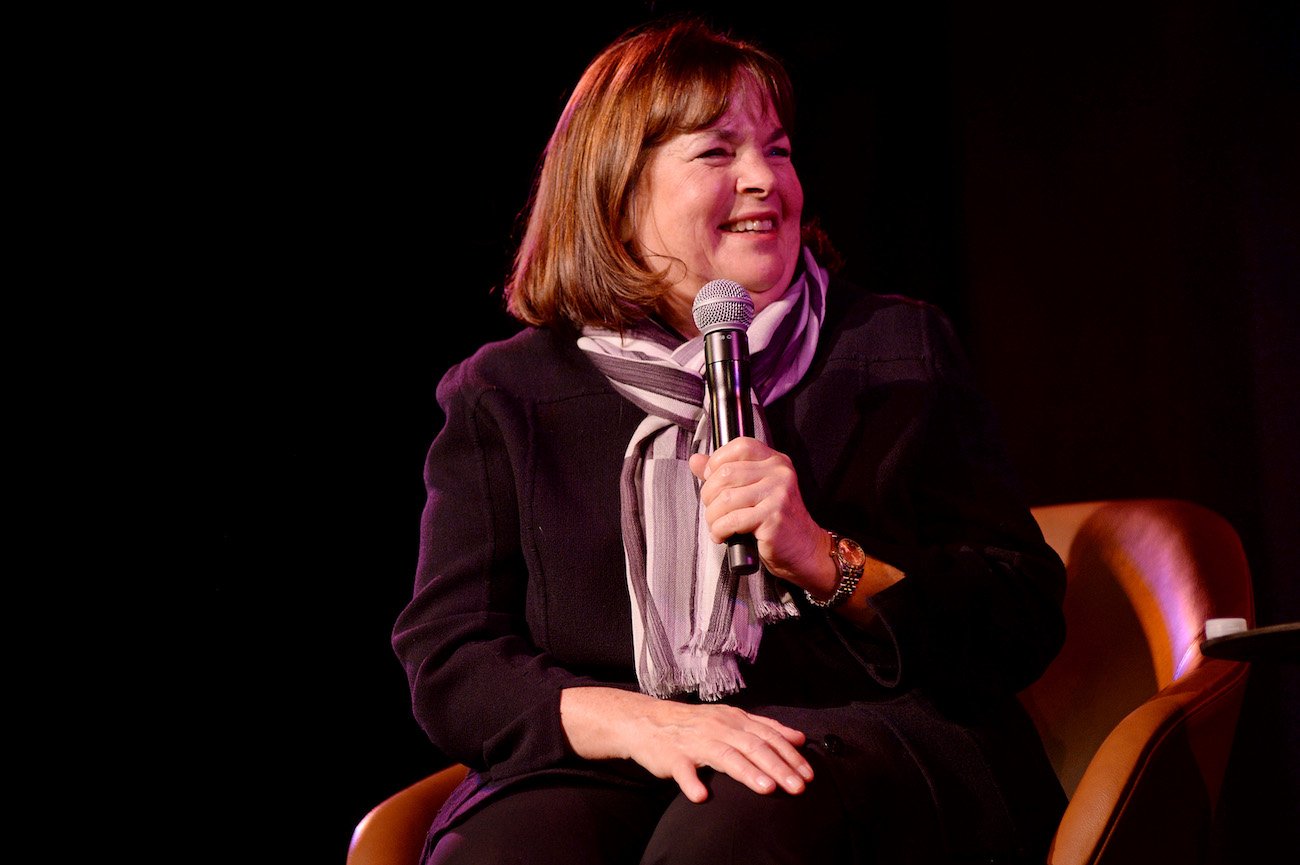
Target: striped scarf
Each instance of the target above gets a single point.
(691, 617)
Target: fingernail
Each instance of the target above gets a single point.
(806, 772)
(793, 783)
(765, 782)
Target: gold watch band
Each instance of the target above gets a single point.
(850, 561)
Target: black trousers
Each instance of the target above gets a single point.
(594, 823)
(896, 784)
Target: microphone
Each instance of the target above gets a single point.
(723, 312)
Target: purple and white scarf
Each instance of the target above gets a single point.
(691, 617)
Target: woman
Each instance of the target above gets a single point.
(621, 695)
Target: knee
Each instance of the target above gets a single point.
(738, 825)
(454, 848)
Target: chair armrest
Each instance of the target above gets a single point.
(1148, 794)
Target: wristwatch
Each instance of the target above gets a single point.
(850, 560)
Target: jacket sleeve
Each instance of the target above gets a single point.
(481, 690)
(979, 611)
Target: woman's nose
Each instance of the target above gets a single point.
(753, 175)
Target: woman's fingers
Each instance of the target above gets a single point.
(745, 482)
(771, 751)
(758, 752)
(786, 742)
(686, 774)
(749, 488)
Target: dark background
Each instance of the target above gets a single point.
(1103, 198)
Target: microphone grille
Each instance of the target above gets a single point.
(723, 304)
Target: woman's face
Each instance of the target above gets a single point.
(722, 203)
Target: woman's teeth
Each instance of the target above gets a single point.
(749, 225)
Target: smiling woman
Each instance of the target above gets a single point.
(576, 636)
(722, 203)
(607, 235)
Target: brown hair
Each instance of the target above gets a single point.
(654, 82)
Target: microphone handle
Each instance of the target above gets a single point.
(742, 554)
(726, 354)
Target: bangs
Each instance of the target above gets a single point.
(689, 103)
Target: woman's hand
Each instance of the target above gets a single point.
(673, 740)
(749, 488)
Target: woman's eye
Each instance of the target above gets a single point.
(713, 152)
(782, 152)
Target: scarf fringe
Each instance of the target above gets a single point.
(770, 611)
(712, 685)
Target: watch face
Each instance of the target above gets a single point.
(850, 553)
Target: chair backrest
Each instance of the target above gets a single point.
(1136, 722)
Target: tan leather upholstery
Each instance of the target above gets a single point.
(1137, 723)
(393, 832)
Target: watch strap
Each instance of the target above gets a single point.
(850, 576)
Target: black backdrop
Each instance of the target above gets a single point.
(1104, 199)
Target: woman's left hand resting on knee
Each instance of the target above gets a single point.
(673, 740)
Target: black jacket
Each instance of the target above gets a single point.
(520, 589)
